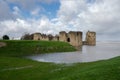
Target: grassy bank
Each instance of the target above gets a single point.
(18, 68)
(24, 69)
(23, 48)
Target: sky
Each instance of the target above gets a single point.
(18, 17)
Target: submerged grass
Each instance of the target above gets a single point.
(18, 68)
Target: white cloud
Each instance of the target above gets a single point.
(5, 11)
(16, 11)
(15, 28)
(12, 27)
(29, 4)
(24, 4)
(101, 16)
(35, 12)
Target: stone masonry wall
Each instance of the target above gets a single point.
(91, 38)
(37, 36)
(63, 36)
(73, 37)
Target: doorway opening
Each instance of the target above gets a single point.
(68, 39)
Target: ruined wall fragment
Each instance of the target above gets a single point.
(37, 36)
(75, 38)
(63, 36)
(91, 38)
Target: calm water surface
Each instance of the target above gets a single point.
(102, 51)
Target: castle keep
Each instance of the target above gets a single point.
(72, 37)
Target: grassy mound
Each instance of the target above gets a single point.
(23, 48)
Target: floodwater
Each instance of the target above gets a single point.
(102, 51)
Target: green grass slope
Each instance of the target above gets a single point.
(23, 48)
(25, 69)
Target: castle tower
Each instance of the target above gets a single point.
(91, 38)
(63, 36)
(75, 38)
(37, 36)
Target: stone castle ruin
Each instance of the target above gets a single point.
(91, 38)
(72, 37)
(39, 36)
